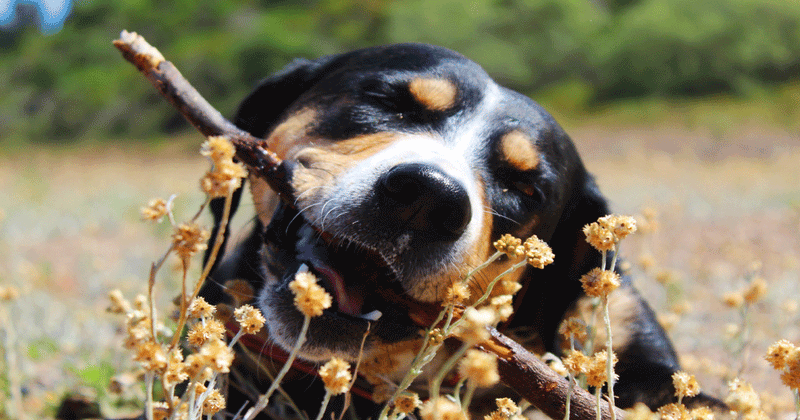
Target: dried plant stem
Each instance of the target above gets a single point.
(14, 404)
(324, 406)
(436, 382)
(264, 399)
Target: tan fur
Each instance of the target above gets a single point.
(434, 94)
(291, 132)
(623, 311)
(518, 150)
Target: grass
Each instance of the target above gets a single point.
(70, 232)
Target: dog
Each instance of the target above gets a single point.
(408, 161)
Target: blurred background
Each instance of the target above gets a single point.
(687, 111)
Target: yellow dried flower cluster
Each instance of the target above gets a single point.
(479, 367)
(199, 308)
(8, 294)
(155, 210)
(309, 297)
(225, 175)
(407, 403)
(249, 318)
(742, 398)
(506, 410)
(441, 408)
(674, 412)
(336, 376)
(685, 385)
(597, 373)
(576, 362)
(573, 328)
(785, 357)
(537, 252)
(755, 290)
(600, 283)
(509, 245)
(189, 239)
(457, 293)
(608, 230)
(176, 369)
(119, 305)
(472, 328)
(203, 332)
(503, 306)
(214, 403)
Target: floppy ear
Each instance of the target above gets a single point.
(259, 111)
(264, 106)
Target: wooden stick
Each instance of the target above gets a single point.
(519, 369)
(530, 377)
(166, 78)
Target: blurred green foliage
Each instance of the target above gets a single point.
(74, 84)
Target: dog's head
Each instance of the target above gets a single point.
(407, 161)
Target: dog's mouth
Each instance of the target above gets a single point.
(366, 292)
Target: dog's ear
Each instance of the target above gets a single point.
(264, 106)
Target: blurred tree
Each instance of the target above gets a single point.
(74, 84)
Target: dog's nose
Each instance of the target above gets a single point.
(426, 199)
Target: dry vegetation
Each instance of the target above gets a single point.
(728, 210)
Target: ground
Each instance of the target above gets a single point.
(728, 207)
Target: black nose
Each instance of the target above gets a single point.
(425, 199)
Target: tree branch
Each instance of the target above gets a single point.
(166, 78)
(526, 374)
(519, 369)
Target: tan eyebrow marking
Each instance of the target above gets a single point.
(434, 94)
(518, 150)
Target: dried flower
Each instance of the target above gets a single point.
(503, 306)
(620, 226)
(336, 376)
(218, 149)
(199, 308)
(249, 318)
(203, 332)
(472, 328)
(733, 299)
(152, 356)
(573, 328)
(189, 239)
(576, 362)
(8, 294)
(155, 210)
(701, 413)
(444, 409)
(755, 291)
(509, 245)
(597, 374)
(216, 355)
(742, 397)
(176, 369)
(599, 237)
(778, 353)
(407, 403)
(309, 297)
(456, 293)
(600, 283)
(538, 253)
(673, 412)
(685, 385)
(480, 368)
(226, 175)
(119, 305)
(214, 403)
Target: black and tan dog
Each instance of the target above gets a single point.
(408, 162)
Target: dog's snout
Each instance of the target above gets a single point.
(426, 199)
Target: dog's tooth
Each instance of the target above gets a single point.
(303, 268)
(372, 316)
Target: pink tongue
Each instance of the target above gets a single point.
(349, 303)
